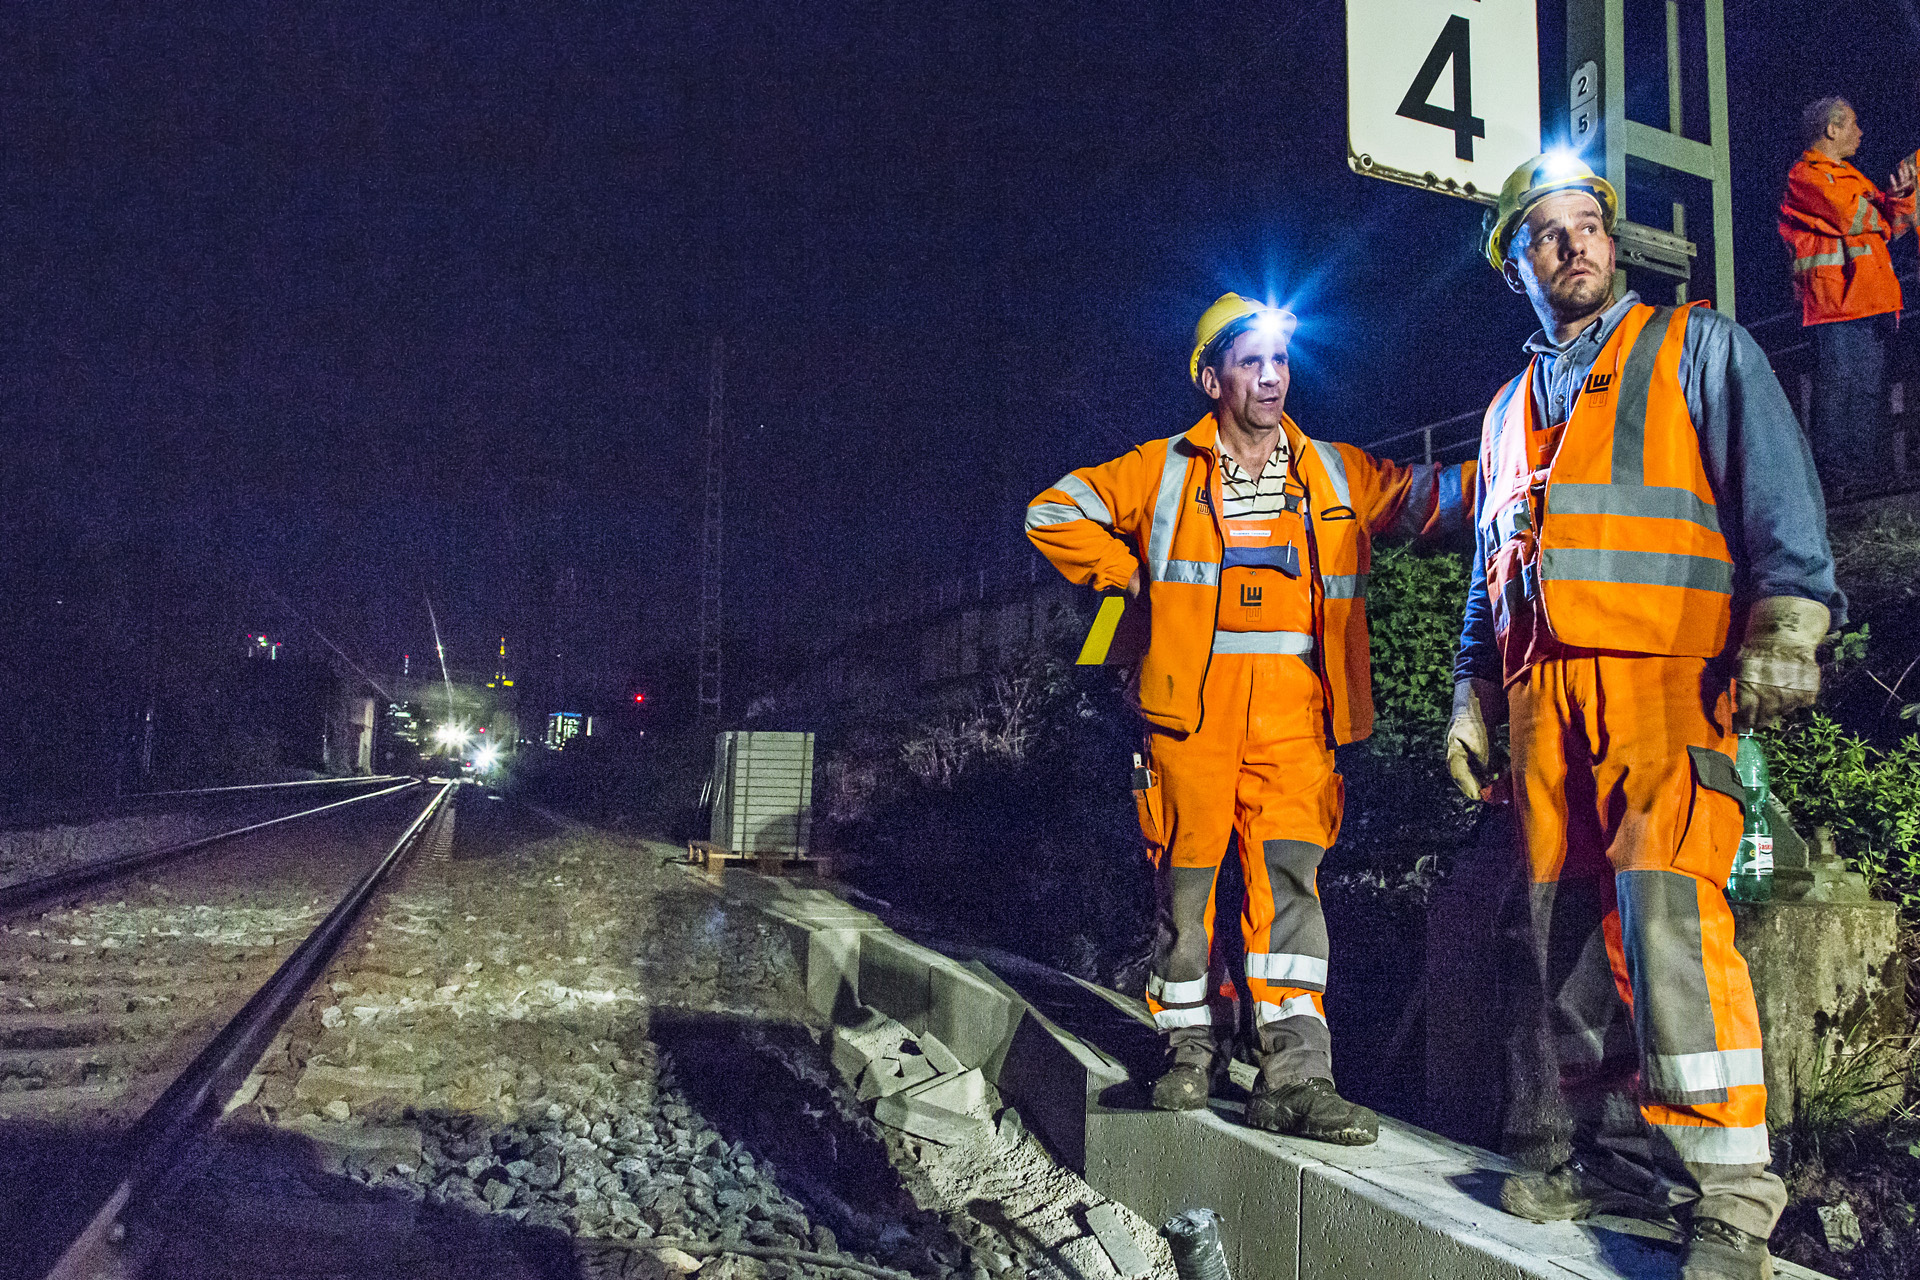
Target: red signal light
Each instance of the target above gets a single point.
(639, 697)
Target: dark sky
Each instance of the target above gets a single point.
(366, 301)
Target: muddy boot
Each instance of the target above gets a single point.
(1570, 1191)
(1720, 1251)
(1183, 1088)
(1311, 1109)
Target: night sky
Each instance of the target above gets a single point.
(352, 304)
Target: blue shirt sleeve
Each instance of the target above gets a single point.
(1771, 509)
(1479, 657)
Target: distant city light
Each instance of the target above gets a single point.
(486, 758)
(452, 735)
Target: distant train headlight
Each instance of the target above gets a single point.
(451, 735)
(485, 758)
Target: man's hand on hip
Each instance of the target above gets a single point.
(1478, 706)
(1777, 671)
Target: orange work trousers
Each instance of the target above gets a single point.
(1258, 767)
(1630, 813)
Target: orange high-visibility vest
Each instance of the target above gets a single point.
(1616, 542)
(1155, 509)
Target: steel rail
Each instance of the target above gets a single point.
(194, 1102)
(268, 786)
(44, 890)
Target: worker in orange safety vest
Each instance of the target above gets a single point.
(1840, 229)
(1251, 545)
(1651, 577)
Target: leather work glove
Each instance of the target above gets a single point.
(1776, 671)
(1478, 705)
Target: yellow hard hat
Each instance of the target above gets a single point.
(1533, 182)
(1229, 309)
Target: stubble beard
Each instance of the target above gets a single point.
(1578, 299)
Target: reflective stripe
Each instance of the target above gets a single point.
(1704, 1072)
(1813, 260)
(1176, 992)
(1638, 568)
(1199, 572)
(1861, 209)
(1656, 501)
(1336, 471)
(1859, 251)
(1344, 586)
(1292, 1007)
(1636, 387)
(1044, 515)
(1704, 1144)
(1085, 498)
(1166, 512)
(1168, 1019)
(1262, 642)
(1278, 966)
(1423, 496)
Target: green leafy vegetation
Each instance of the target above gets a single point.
(1868, 797)
(1414, 606)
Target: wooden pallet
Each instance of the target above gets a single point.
(705, 853)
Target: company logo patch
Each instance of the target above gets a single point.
(1203, 496)
(1598, 384)
(1249, 597)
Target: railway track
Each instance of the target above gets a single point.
(137, 992)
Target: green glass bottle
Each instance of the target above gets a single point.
(1752, 878)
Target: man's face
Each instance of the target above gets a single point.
(1562, 257)
(1250, 385)
(1846, 132)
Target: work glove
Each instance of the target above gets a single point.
(1478, 705)
(1776, 671)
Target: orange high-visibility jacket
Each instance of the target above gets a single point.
(1620, 547)
(1156, 508)
(1839, 226)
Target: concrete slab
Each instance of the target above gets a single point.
(971, 1016)
(966, 1092)
(923, 1119)
(1128, 1259)
(1160, 1163)
(896, 977)
(943, 1059)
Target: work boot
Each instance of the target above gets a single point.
(1570, 1191)
(1311, 1109)
(1718, 1250)
(1183, 1088)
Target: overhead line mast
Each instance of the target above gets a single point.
(710, 528)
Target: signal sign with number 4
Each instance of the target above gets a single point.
(1443, 94)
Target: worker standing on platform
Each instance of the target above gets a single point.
(1840, 228)
(1651, 576)
(1250, 544)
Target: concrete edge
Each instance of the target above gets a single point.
(1415, 1204)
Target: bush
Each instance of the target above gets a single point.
(1414, 606)
(1868, 797)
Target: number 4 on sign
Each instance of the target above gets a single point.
(1453, 46)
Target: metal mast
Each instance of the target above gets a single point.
(710, 540)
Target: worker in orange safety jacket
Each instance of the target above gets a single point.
(1249, 544)
(1840, 228)
(1651, 577)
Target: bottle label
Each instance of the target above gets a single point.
(1755, 857)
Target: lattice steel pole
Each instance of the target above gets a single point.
(710, 528)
